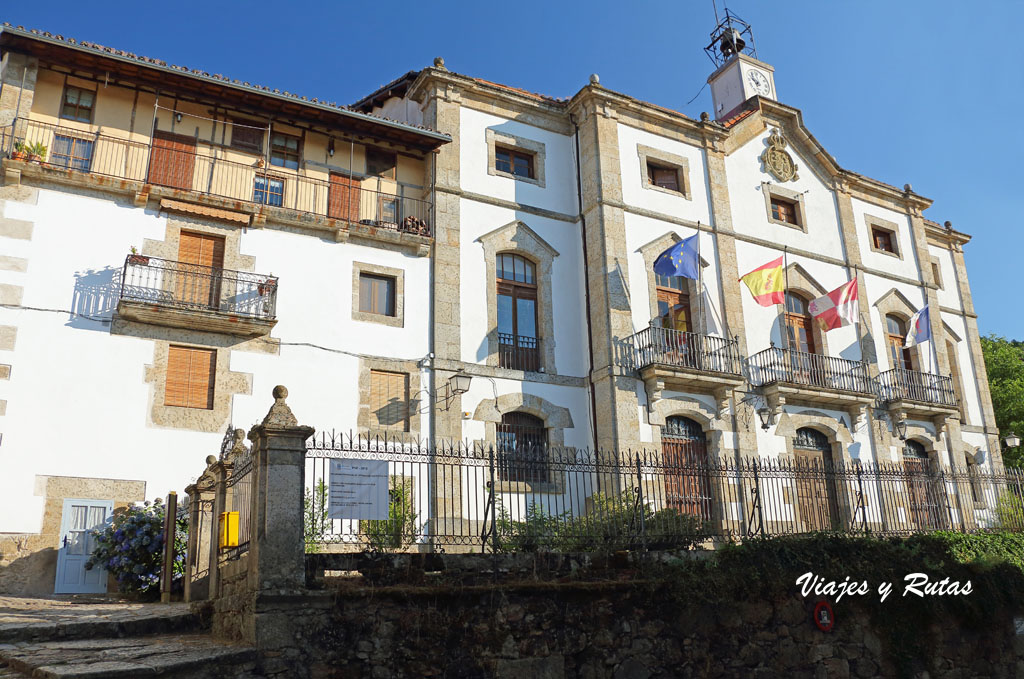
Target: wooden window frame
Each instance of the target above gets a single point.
(267, 190)
(391, 172)
(78, 107)
(284, 152)
(891, 230)
(365, 276)
(796, 321)
(654, 167)
(775, 194)
(406, 421)
(898, 340)
(783, 208)
(191, 398)
(69, 158)
(519, 357)
(675, 297)
(879, 233)
(240, 145)
(514, 154)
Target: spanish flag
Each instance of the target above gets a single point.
(766, 283)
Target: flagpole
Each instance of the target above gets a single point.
(785, 294)
(700, 285)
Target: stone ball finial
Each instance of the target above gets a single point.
(594, 79)
(280, 392)
(948, 224)
(439, 62)
(211, 459)
(704, 117)
(908, 188)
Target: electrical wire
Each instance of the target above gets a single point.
(213, 120)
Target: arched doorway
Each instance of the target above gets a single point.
(522, 448)
(687, 483)
(814, 478)
(924, 509)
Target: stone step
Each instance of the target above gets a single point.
(170, 656)
(85, 625)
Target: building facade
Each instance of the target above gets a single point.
(184, 242)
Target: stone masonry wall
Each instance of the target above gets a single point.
(604, 630)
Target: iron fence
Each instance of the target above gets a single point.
(186, 164)
(192, 286)
(239, 508)
(471, 497)
(686, 350)
(814, 370)
(900, 384)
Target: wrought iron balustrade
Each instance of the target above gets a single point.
(203, 169)
(900, 384)
(705, 353)
(813, 370)
(164, 282)
(518, 352)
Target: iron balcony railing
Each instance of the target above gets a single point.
(191, 286)
(204, 170)
(654, 345)
(812, 370)
(899, 384)
(518, 352)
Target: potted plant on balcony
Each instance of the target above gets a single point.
(136, 259)
(36, 151)
(267, 287)
(20, 151)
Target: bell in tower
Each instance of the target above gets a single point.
(738, 75)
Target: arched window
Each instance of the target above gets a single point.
(687, 482)
(522, 448)
(899, 354)
(815, 483)
(673, 303)
(799, 324)
(518, 344)
(914, 450)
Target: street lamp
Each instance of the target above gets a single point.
(765, 414)
(901, 429)
(1012, 441)
(456, 385)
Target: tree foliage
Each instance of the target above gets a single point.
(1004, 362)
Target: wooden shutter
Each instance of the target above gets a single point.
(389, 400)
(190, 377)
(343, 198)
(172, 160)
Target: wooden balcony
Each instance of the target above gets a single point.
(180, 295)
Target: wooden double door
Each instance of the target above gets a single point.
(814, 482)
(172, 160)
(687, 479)
(199, 270)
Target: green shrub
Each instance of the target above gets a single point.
(315, 524)
(398, 531)
(1010, 511)
(131, 546)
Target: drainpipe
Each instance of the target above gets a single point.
(432, 379)
(586, 285)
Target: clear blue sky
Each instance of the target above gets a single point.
(930, 93)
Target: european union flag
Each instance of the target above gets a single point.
(679, 260)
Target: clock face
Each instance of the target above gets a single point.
(759, 83)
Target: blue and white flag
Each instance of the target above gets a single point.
(920, 328)
(679, 260)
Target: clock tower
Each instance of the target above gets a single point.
(739, 74)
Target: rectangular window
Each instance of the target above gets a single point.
(377, 294)
(190, 377)
(381, 163)
(513, 162)
(284, 150)
(937, 274)
(268, 191)
(71, 152)
(246, 137)
(78, 104)
(663, 176)
(389, 400)
(784, 211)
(882, 240)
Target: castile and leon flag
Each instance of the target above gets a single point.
(837, 308)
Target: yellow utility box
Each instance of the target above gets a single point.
(228, 529)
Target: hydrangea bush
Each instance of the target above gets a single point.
(131, 546)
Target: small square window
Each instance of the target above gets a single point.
(513, 162)
(784, 211)
(246, 137)
(663, 176)
(268, 191)
(71, 152)
(381, 163)
(284, 151)
(377, 294)
(883, 239)
(78, 104)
